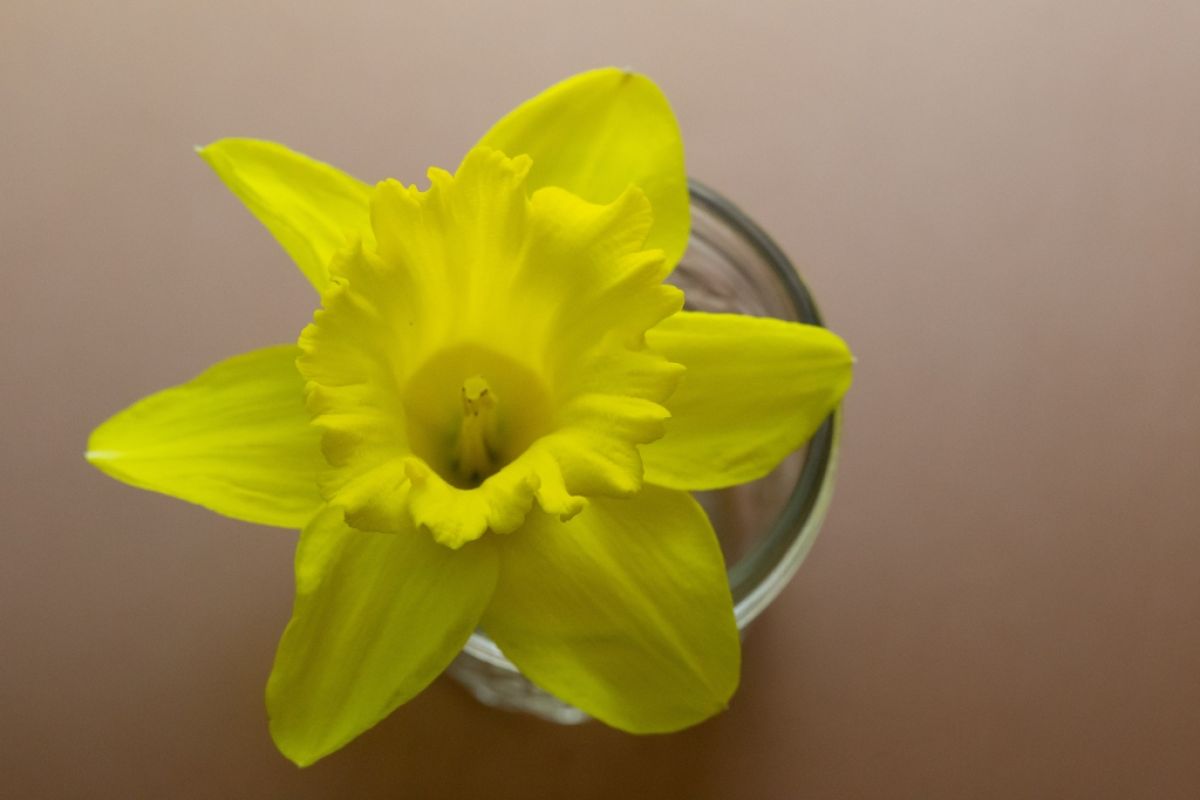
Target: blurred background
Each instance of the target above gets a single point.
(996, 204)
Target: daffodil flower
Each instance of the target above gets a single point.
(494, 422)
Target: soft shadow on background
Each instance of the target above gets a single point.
(997, 204)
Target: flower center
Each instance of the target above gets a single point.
(468, 427)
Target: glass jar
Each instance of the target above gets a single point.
(766, 527)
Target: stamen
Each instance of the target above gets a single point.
(476, 450)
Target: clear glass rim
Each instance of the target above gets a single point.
(758, 577)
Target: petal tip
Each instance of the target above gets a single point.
(292, 751)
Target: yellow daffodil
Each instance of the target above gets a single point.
(494, 421)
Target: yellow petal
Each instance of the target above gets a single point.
(624, 611)
(597, 133)
(377, 618)
(236, 439)
(311, 208)
(754, 391)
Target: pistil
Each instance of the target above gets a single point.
(476, 450)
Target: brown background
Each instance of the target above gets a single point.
(997, 204)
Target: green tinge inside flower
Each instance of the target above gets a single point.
(471, 411)
(489, 354)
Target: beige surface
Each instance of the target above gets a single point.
(998, 204)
